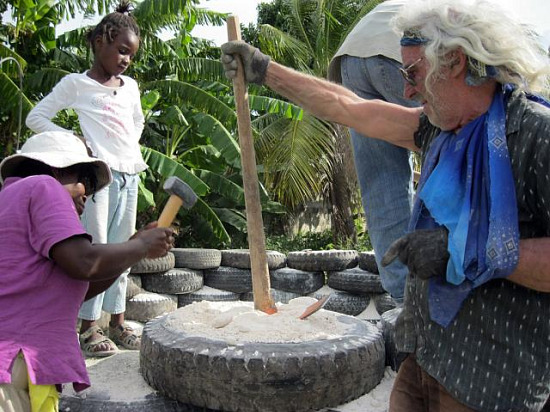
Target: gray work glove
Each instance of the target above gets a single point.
(424, 252)
(254, 61)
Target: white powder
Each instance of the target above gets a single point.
(370, 313)
(376, 400)
(118, 377)
(115, 378)
(238, 322)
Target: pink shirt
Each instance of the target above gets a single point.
(38, 302)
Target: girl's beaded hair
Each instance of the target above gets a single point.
(111, 25)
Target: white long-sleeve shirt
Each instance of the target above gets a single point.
(110, 118)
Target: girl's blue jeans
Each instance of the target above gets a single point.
(110, 217)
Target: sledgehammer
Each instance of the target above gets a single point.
(180, 195)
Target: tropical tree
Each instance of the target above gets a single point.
(308, 158)
(190, 118)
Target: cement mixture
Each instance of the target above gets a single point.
(118, 378)
(238, 322)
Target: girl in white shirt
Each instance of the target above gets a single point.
(109, 111)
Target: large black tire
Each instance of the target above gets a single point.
(296, 281)
(209, 294)
(195, 258)
(384, 302)
(240, 258)
(133, 286)
(277, 295)
(103, 396)
(262, 377)
(161, 264)
(173, 281)
(319, 260)
(355, 280)
(367, 261)
(343, 302)
(147, 305)
(229, 278)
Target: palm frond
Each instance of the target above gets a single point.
(12, 96)
(209, 216)
(285, 48)
(69, 61)
(9, 67)
(223, 186)
(232, 217)
(193, 69)
(146, 199)
(184, 93)
(68, 9)
(295, 155)
(366, 8)
(153, 49)
(207, 17)
(165, 166)
(271, 105)
(221, 139)
(42, 81)
(73, 39)
(151, 9)
(298, 13)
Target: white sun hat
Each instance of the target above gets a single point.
(59, 150)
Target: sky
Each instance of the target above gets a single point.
(533, 12)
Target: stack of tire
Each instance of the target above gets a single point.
(260, 371)
(352, 279)
(155, 286)
(351, 286)
(184, 276)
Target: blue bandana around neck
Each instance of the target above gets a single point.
(467, 186)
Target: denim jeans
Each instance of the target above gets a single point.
(383, 170)
(110, 217)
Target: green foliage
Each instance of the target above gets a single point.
(191, 126)
(319, 240)
(301, 241)
(315, 241)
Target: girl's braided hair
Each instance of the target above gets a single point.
(111, 25)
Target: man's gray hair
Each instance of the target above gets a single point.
(484, 31)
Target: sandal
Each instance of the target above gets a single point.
(125, 336)
(90, 343)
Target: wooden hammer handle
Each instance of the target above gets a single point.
(170, 211)
(254, 221)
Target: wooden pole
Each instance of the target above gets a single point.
(254, 221)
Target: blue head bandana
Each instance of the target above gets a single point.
(478, 72)
(413, 37)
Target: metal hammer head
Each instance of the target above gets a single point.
(175, 186)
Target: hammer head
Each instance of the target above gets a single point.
(175, 186)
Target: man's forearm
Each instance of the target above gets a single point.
(317, 96)
(330, 101)
(533, 270)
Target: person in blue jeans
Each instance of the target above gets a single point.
(368, 63)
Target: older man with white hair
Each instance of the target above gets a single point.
(475, 318)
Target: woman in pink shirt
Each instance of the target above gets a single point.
(48, 266)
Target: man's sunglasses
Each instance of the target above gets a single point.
(405, 72)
